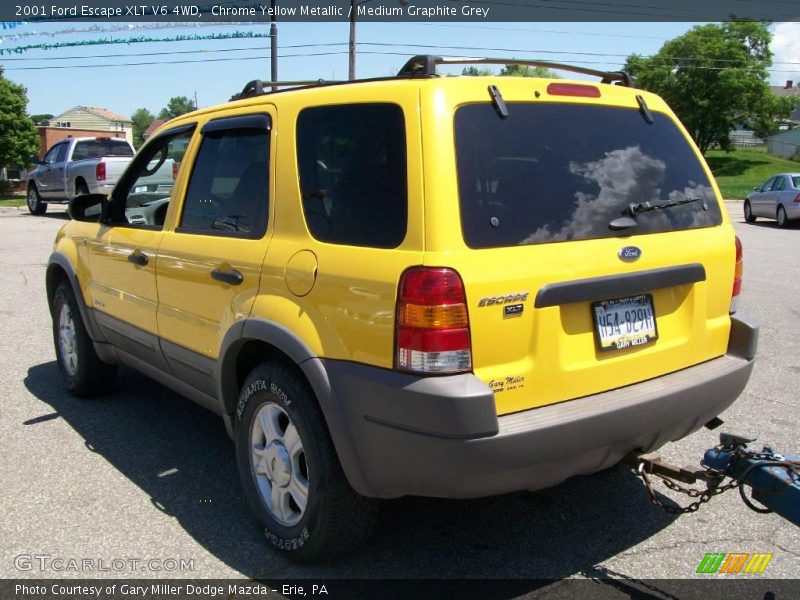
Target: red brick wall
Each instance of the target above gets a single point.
(50, 135)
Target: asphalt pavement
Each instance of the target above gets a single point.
(145, 474)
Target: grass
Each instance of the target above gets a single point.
(738, 172)
(12, 201)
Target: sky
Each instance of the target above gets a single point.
(216, 69)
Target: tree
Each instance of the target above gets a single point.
(41, 119)
(511, 71)
(527, 71)
(18, 136)
(714, 77)
(177, 106)
(142, 119)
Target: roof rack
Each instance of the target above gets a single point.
(424, 65)
(258, 86)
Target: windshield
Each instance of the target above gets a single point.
(559, 172)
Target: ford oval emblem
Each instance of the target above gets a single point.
(629, 253)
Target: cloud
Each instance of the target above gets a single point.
(786, 49)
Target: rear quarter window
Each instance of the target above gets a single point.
(353, 178)
(560, 172)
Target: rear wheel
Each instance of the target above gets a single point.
(290, 472)
(748, 213)
(83, 372)
(783, 220)
(35, 204)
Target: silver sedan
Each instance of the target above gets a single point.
(778, 198)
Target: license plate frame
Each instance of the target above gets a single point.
(629, 339)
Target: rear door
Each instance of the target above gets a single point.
(209, 264)
(575, 282)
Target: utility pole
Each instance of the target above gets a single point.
(273, 43)
(352, 69)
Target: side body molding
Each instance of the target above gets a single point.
(278, 336)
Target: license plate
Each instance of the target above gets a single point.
(624, 322)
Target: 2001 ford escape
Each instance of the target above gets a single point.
(441, 286)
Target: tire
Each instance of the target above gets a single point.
(284, 451)
(748, 213)
(83, 372)
(35, 204)
(780, 216)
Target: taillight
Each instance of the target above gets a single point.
(174, 170)
(432, 322)
(797, 199)
(100, 171)
(737, 275)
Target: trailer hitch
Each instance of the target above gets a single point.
(774, 478)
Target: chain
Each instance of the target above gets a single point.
(702, 496)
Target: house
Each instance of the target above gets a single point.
(93, 118)
(789, 89)
(50, 135)
(152, 127)
(785, 144)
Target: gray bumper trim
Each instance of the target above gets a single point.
(414, 436)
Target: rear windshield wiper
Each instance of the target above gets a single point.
(642, 207)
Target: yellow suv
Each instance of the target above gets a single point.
(425, 285)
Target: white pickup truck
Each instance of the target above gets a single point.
(76, 166)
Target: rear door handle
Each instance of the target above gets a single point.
(231, 276)
(138, 258)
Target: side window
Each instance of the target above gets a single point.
(353, 176)
(146, 187)
(50, 157)
(228, 192)
(62, 153)
(779, 184)
(768, 186)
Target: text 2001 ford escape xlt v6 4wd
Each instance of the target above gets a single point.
(439, 286)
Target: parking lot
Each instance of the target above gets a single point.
(145, 474)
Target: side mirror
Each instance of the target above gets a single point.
(757, 189)
(35, 160)
(89, 207)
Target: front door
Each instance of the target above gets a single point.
(51, 181)
(209, 264)
(122, 256)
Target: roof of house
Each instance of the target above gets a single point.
(103, 113)
(780, 90)
(152, 127)
(790, 134)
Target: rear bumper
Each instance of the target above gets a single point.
(441, 436)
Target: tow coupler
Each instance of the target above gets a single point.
(774, 478)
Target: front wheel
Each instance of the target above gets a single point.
(289, 470)
(748, 213)
(35, 204)
(83, 372)
(783, 220)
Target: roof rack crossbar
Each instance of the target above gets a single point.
(256, 87)
(425, 65)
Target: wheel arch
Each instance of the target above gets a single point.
(60, 269)
(252, 341)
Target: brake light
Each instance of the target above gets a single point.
(174, 170)
(100, 171)
(573, 89)
(737, 275)
(797, 199)
(432, 322)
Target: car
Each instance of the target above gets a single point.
(778, 198)
(73, 166)
(415, 285)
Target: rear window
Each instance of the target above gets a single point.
(101, 148)
(560, 172)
